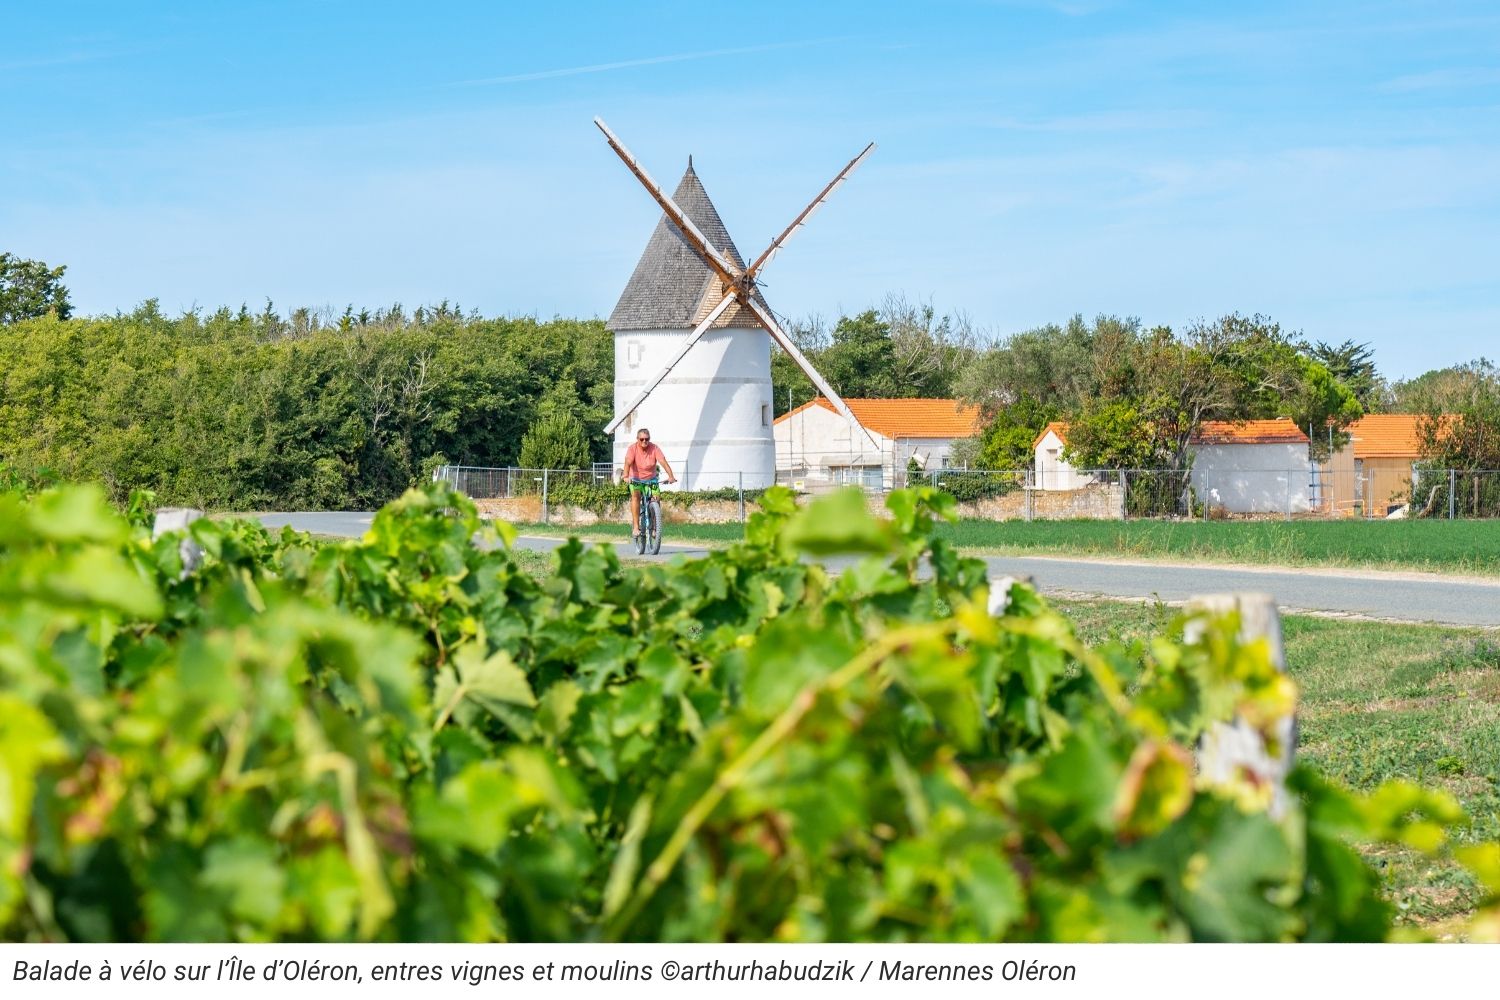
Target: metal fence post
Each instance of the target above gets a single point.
(545, 477)
(1452, 489)
(742, 496)
(1124, 495)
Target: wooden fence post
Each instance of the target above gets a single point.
(1231, 749)
(177, 519)
(1000, 592)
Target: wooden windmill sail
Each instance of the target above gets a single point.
(692, 275)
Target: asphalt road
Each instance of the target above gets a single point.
(1418, 597)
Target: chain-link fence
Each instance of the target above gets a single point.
(1213, 493)
(480, 483)
(1455, 493)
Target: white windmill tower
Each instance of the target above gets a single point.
(693, 341)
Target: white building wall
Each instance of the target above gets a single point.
(712, 415)
(1253, 478)
(1052, 473)
(811, 443)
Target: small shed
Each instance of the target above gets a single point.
(1255, 467)
(1052, 473)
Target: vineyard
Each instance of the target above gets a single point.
(415, 737)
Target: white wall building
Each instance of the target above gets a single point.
(1245, 467)
(1255, 467)
(1052, 473)
(816, 447)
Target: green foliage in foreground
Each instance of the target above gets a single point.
(1382, 701)
(408, 737)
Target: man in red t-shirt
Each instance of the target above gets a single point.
(641, 460)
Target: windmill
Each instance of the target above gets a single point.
(711, 407)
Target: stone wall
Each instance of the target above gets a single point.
(1094, 502)
(1098, 502)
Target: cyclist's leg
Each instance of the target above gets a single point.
(635, 509)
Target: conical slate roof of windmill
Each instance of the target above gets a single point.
(672, 288)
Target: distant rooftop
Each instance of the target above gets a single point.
(906, 418)
(1278, 431)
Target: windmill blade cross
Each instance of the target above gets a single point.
(726, 269)
(786, 344)
(687, 344)
(807, 213)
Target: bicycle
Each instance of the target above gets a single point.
(648, 535)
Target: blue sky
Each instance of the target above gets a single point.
(1335, 165)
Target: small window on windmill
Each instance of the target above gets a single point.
(633, 351)
(765, 414)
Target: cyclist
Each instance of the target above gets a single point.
(641, 460)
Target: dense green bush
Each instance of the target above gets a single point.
(251, 412)
(968, 485)
(408, 737)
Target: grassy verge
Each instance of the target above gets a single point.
(1382, 701)
(1466, 547)
(537, 564)
(1459, 547)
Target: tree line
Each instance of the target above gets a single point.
(1135, 396)
(244, 410)
(235, 410)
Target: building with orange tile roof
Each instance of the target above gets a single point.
(1238, 432)
(1260, 467)
(815, 445)
(1242, 466)
(1387, 447)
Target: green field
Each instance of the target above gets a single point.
(1382, 701)
(1463, 547)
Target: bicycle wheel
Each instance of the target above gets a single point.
(653, 537)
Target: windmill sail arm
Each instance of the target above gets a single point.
(786, 344)
(723, 266)
(682, 350)
(808, 212)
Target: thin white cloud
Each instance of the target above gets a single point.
(1445, 79)
(1105, 121)
(42, 62)
(548, 74)
(1068, 8)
